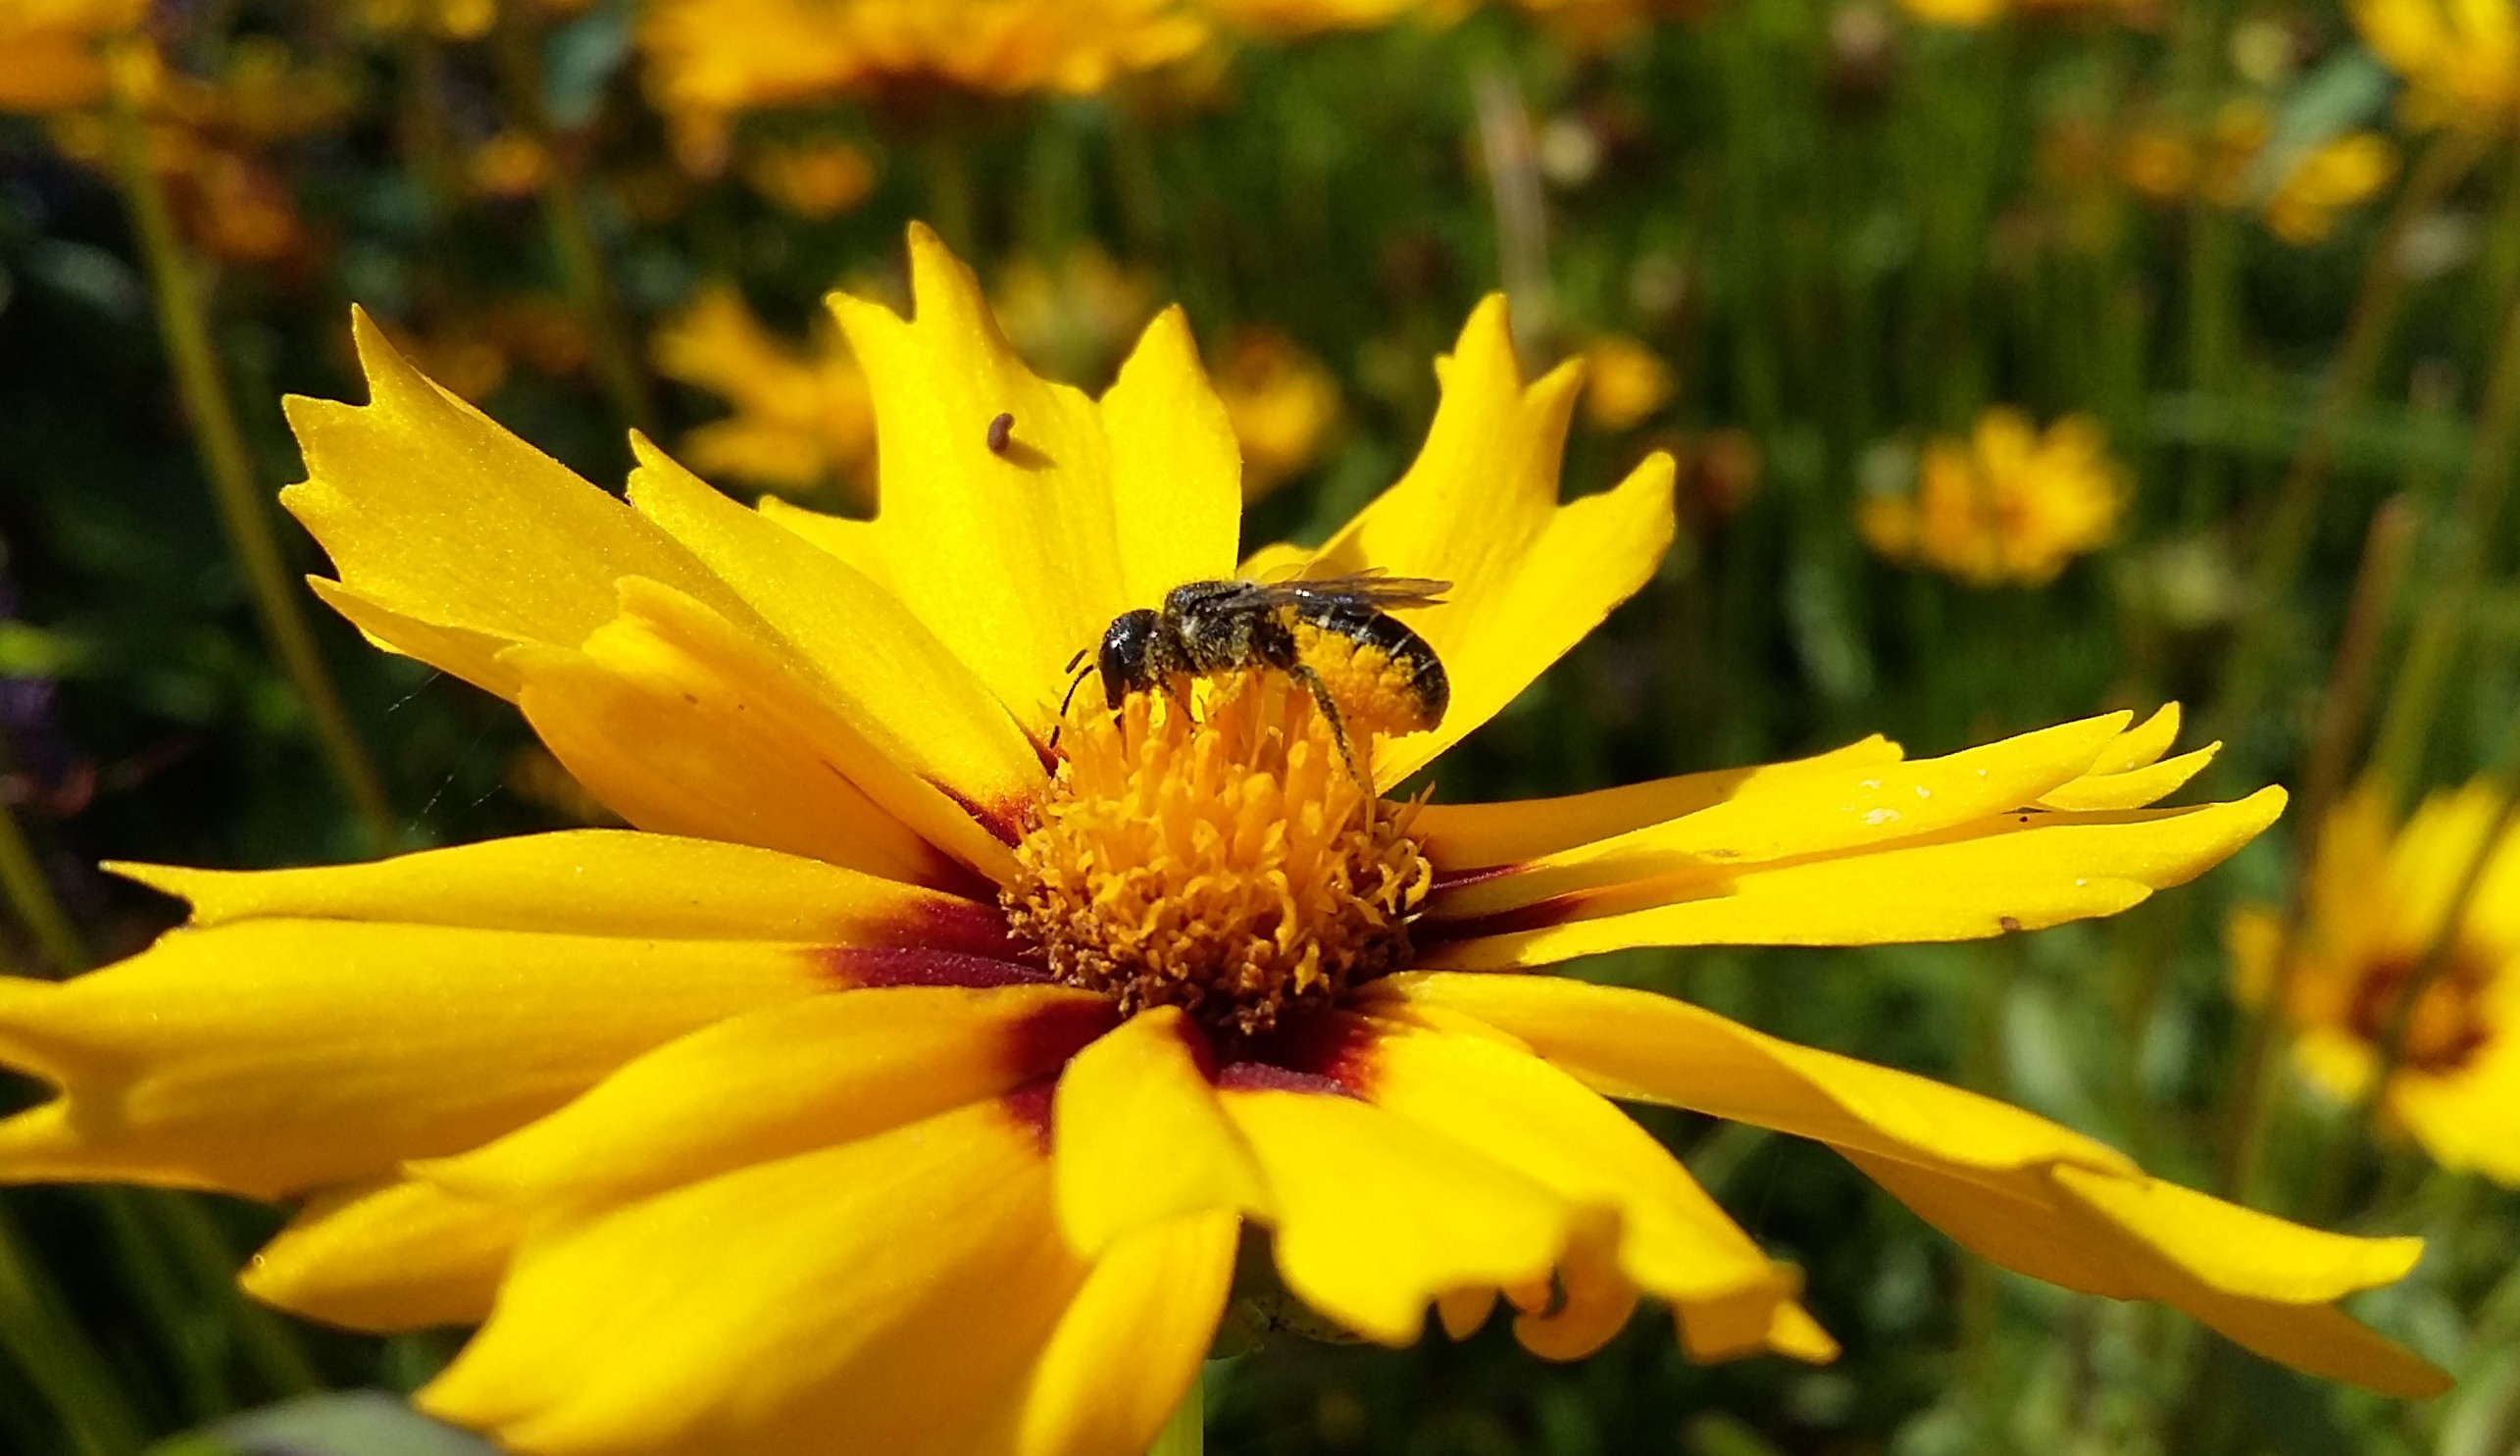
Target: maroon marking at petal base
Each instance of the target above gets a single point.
(1042, 1043)
(1446, 880)
(871, 965)
(1004, 822)
(1030, 1106)
(962, 926)
(1431, 930)
(1321, 1051)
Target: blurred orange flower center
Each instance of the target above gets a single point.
(1220, 854)
(2447, 1027)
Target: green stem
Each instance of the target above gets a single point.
(584, 276)
(184, 325)
(2342, 711)
(2296, 518)
(2444, 624)
(32, 902)
(1186, 1435)
(57, 1358)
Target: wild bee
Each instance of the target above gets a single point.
(1224, 626)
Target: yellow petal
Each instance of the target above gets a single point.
(2134, 788)
(2261, 1282)
(1802, 809)
(883, 1295)
(857, 544)
(432, 512)
(2142, 745)
(469, 655)
(1141, 1138)
(783, 1081)
(274, 1056)
(1588, 1301)
(1473, 837)
(1375, 1216)
(386, 1256)
(1129, 1345)
(1017, 560)
(1642, 1047)
(2023, 1191)
(901, 690)
(684, 725)
(2022, 872)
(1462, 1311)
(600, 882)
(1176, 468)
(1479, 509)
(1516, 1109)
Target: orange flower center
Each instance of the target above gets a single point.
(1216, 851)
(2447, 1029)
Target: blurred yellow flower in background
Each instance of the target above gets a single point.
(1282, 402)
(1290, 18)
(2227, 166)
(802, 419)
(1625, 382)
(49, 50)
(711, 60)
(2338, 175)
(2378, 898)
(2461, 58)
(1072, 313)
(902, 1082)
(2009, 505)
(1971, 14)
(816, 179)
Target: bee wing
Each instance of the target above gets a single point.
(1368, 588)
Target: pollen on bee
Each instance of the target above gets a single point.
(1218, 854)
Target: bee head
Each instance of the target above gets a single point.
(1127, 661)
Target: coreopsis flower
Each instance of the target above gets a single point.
(2010, 504)
(2377, 899)
(50, 57)
(1972, 13)
(711, 60)
(816, 178)
(2338, 175)
(900, 1083)
(1076, 310)
(1282, 403)
(802, 417)
(2460, 59)
(1292, 18)
(1625, 383)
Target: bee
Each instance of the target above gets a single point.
(1232, 626)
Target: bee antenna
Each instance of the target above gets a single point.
(1080, 657)
(1079, 681)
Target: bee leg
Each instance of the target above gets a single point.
(1322, 699)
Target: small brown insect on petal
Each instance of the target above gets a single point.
(2008, 922)
(1001, 433)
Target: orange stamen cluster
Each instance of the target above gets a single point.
(1218, 854)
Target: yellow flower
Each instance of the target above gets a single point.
(816, 179)
(2377, 898)
(2461, 58)
(49, 57)
(1627, 382)
(1076, 311)
(2341, 173)
(802, 417)
(1280, 402)
(1288, 19)
(900, 1083)
(708, 60)
(2009, 505)
(1972, 13)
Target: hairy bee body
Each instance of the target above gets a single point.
(1207, 627)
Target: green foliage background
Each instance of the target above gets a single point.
(1837, 246)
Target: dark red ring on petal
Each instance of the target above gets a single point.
(1430, 930)
(1322, 1052)
(1029, 1107)
(871, 965)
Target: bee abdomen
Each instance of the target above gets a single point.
(1369, 628)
